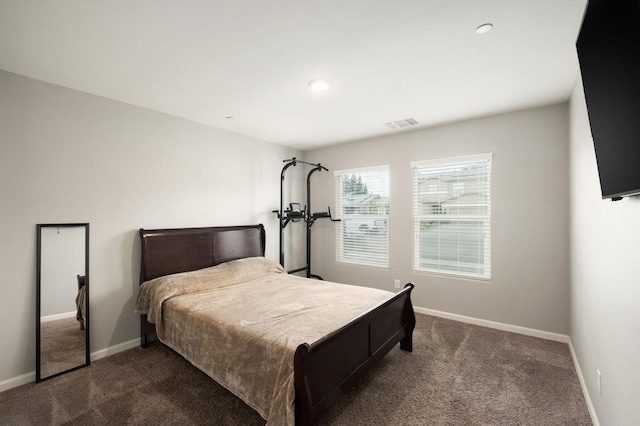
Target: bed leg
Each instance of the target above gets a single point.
(144, 340)
(406, 344)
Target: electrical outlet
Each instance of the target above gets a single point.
(396, 283)
(599, 382)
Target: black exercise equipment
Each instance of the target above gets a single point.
(293, 213)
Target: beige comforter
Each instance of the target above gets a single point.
(240, 322)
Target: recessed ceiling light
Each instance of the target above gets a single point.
(319, 85)
(484, 28)
(229, 117)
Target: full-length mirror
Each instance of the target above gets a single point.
(62, 293)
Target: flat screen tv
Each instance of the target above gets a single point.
(609, 54)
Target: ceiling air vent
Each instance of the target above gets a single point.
(400, 124)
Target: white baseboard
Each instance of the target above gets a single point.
(26, 378)
(583, 385)
(556, 337)
(14, 382)
(111, 350)
(58, 316)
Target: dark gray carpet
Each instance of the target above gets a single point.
(458, 374)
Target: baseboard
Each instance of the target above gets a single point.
(26, 378)
(14, 382)
(556, 337)
(583, 385)
(111, 350)
(58, 316)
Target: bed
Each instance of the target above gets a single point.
(289, 347)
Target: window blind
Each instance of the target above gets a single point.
(452, 215)
(362, 204)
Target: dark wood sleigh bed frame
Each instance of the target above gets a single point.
(324, 370)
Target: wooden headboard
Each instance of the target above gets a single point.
(169, 251)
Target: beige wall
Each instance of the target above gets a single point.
(530, 216)
(605, 290)
(67, 156)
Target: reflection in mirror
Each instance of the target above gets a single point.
(62, 309)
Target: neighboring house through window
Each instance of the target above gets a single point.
(452, 216)
(362, 204)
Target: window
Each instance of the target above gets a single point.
(362, 202)
(452, 216)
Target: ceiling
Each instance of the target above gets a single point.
(207, 60)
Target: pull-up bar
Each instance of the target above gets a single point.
(294, 160)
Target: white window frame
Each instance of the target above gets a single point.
(454, 212)
(366, 244)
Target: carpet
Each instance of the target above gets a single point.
(457, 374)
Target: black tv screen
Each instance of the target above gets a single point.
(609, 54)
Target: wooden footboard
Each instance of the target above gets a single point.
(328, 368)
